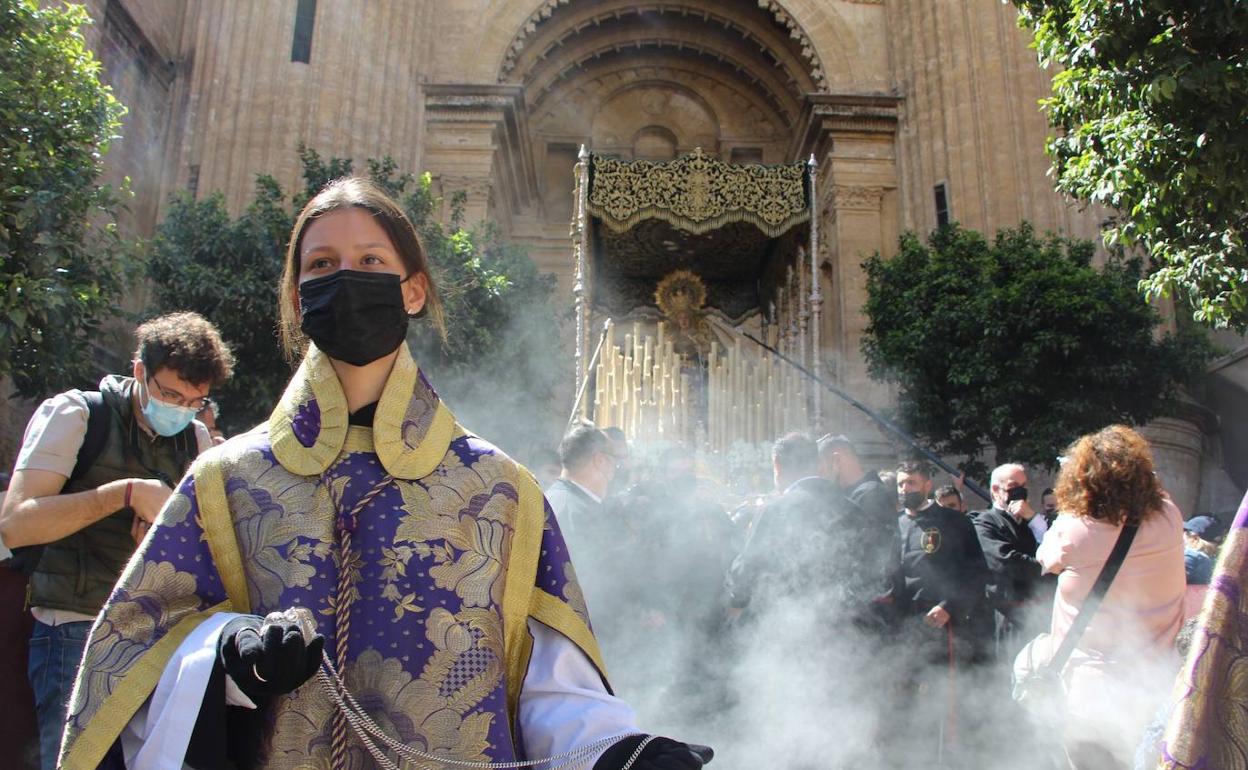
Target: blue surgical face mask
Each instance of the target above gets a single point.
(166, 419)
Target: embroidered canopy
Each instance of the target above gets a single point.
(698, 193)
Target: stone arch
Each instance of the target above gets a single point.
(742, 111)
(822, 34)
(785, 100)
(654, 142)
(628, 111)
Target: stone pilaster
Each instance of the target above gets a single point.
(852, 139)
(476, 141)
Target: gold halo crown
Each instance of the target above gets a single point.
(680, 291)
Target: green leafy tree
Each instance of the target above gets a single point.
(1151, 102)
(1019, 345)
(227, 270)
(497, 367)
(63, 265)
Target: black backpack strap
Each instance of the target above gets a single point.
(99, 425)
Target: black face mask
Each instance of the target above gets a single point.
(353, 316)
(1017, 493)
(912, 500)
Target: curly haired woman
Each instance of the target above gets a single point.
(1124, 661)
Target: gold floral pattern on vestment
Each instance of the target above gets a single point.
(479, 522)
(1209, 724)
(462, 518)
(698, 193)
(122, 638)
(281, 521)
(431, 713)
(176, 509)
(573, 596)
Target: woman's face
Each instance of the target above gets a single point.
(351, 239)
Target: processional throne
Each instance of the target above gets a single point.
(681, 256)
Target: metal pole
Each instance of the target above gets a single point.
(578, 247)
(816, 293)
(881, 421)
(593, 361)
(803, 302)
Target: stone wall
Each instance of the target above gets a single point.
(246, 105)
(970, 119)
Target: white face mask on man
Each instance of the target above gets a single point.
(166, 419)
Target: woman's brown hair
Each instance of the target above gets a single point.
(345, 193)
(1108, 476)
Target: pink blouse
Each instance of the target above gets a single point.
(1144, 606)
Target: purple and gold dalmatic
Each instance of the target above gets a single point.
(1208, 728)
(452, 554)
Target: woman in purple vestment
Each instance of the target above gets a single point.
(431, 609)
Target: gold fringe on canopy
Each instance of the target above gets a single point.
(698, 193)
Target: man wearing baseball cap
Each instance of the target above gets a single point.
(1202, 535)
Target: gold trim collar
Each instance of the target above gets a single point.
(412, 429)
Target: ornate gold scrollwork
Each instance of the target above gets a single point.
(698, 193)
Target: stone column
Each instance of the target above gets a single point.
(1177, 446)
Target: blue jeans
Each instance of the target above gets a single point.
(55, 652)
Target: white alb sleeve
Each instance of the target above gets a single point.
(159, 733)
(563, 702)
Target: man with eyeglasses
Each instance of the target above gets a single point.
(94, 470)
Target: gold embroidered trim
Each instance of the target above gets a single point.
(522, 561)
(556, 613)
(397, 456)
(698, 193)
(218, 525)
(315, 378)
(359, 439)
(89, 748)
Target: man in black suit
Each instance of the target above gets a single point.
(941, 571)
(938, 587)
(1009, 545)
(805, 541)
(876, 502)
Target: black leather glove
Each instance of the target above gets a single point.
(270, 664)
(659, 754)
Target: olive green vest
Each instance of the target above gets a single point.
(78, 572)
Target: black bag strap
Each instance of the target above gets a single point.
(99, 425)
(1090, 605)
(25, 559)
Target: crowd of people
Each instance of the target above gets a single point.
(921, 601)
(360, 581)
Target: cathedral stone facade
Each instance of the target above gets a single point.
(913, 111)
